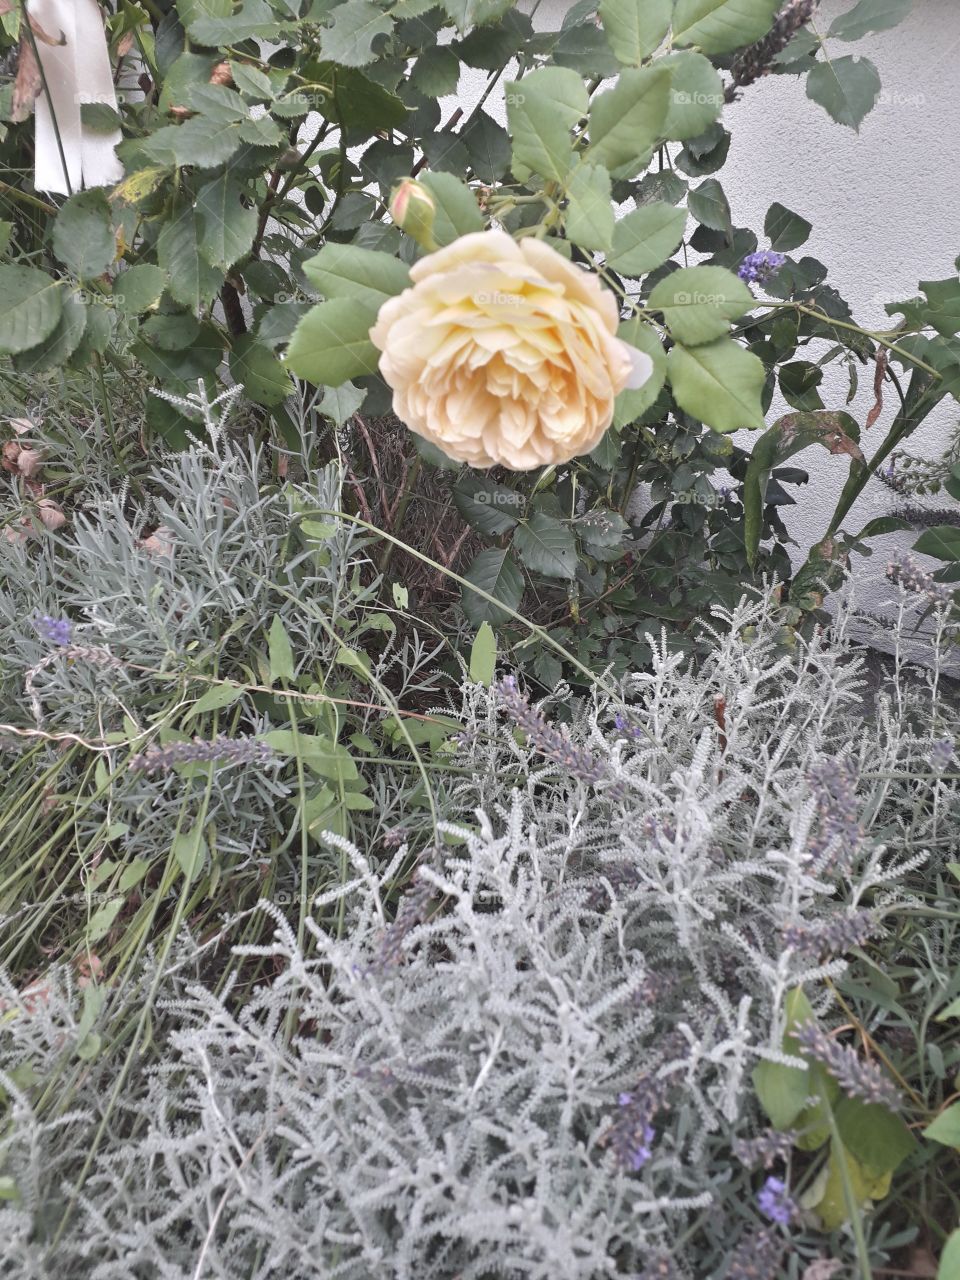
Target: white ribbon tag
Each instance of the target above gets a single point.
(76, 72)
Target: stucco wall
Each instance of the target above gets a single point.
(885, 208)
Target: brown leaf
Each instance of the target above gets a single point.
(21, 426)
(822, 1269)
(27, 84)
(881, 369)
(51, 514)
(221, 74)
(20, 459)
(125, 45)
(159, 543)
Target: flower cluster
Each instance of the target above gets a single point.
(775, 1203)
(833, 937)
(757, 60)
(835, 845)
(858, 1079)
(243, 750)
(411, 911)
(757, 268)
(757, 1257)
(631, 1133)
(54, 630)
(907, 572)
(765, 1149)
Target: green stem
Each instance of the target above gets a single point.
(853, 1207)
(401, 512)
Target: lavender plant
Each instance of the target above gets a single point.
(561, 1052)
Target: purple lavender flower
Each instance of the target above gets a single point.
(833, 937)
(757, 1257)
(631, 1133)
(621, 723)
(766, 1148)
(774, 1202)
(757, 268)
(941, 753)
(857, 1078)
(54, 630)
(243, 750)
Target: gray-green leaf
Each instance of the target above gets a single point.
(720, 384)
(32, 304)
(846, 88)
(331, 344)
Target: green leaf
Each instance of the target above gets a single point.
(630, 405)
(877, 1136)
(458, 213)
(547, 546)
(717, 26)
(720, 384)
(589, 218)
(627, 120)
(367, 275)
(488, 146)
(331, 344)
(487, 506)
(837, 432)
(783, 1090)
(32, 305)
(190, 850)
(644, 239)
(868, 16)
(496, 573)
(710, 207)
(321, 754)
(100, 117)
(281, 651)
(227, 226)
(699, 303)
(137, 289)
(263, 376)
(846, 88)
(215, 699)
(635, 28)
(83, 237)
(60, 345)
(356, 25)
(541, 110)
(254, 20)
(483, 655)
(199, 141)
(696, 95)
(943, 310)
(102, 919)
(949, 1268)
(436, 72)
(785, 230)
(468, 13)
(341, 403)
(190, 280)
(942, 541)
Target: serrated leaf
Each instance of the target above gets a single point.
(710, 207)
(699, 303)
(644, 239)
(496, 573)
(846, 88)
(138, 288)
(457, 211)
(468, 13)
(60, 345)
(547, 546)
(83, 237)
(32, 306)
(629, 405)
(627, 120)
(263, 377)
(719, 384)
(212, 27)
(483, 655)
(718, 26)
(200, 142)
(635, 28)
(190, 280)
(487, 506)
(869, 16)
(341, 403)
(227, 226)
(368, 275)
(350, 39)
(589, 219)
(541, 111)
(696, 95)
(785, 229)
(331, 344)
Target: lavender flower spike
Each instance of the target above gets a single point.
(757, 268)
(54, 630)
(857, 1079)
(242, 750)
(774, 1202)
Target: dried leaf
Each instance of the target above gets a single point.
(879, 372)
(125, 45)
(21, 426)
(159, 543)
(51, 514)
(27, 84)
(822, 1269)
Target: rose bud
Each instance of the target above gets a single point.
(413, 210)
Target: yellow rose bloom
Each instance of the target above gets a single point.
(503, 353)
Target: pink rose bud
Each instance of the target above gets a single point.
(413, 210)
